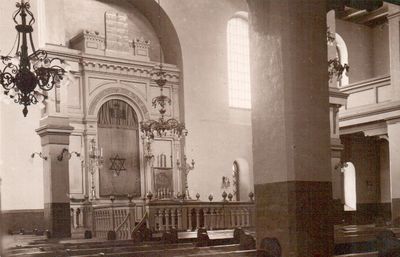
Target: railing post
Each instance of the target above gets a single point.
(233, 223)
(179, 213)
(173, 215)
(212, 219)
(132, 216)
(190, 218)
(198, 217)
(167, 215)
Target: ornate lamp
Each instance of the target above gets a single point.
(96, 160)
(161, 127)
(22, 75)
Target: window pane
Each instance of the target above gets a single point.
(239, 63)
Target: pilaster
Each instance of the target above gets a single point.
(394, 48)
(54, 133)
(290, 123)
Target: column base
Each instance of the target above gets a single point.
(58, 219)
(298, 214)
(396, 212)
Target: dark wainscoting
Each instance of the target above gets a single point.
(366, 213)
(28, 220)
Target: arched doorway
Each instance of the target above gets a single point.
(118, 137)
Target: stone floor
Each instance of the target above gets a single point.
(350, 241)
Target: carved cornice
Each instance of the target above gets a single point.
(129, 69)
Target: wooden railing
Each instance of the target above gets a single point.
(190, 215)
(161, 215)
(118, 218)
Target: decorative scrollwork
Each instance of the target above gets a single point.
(23, 75)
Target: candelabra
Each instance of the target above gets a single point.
(147, 152)
(67, 154)
(40, 155)
(95, 162)
(185, 168)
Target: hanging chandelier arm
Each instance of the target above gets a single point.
(18, 11)
(32, 45)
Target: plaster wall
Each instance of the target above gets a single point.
(77, 19)
(363, 152)
(381, 58)
(218, 134)
(384, 172)
(22, 176)
(359, 42)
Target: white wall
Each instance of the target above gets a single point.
(358, 39)
(22, 177)
(217, 134)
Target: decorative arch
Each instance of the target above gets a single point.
(343, 58)
(117, 92)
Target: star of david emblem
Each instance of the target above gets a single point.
(117, 165)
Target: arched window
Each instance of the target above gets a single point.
(350, 193)
(239, 61)
(342, 55)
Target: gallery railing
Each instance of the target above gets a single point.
(190, 215)
(160, 215)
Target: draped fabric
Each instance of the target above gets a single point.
(118, 135)
(117, 114)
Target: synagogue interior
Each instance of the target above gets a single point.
(197, 128)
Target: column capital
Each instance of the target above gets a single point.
(54, 130)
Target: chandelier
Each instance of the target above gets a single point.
(23, 75)
(162, 126)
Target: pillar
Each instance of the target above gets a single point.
(54, 133)
(393, 127)
(394, 48)
(290, 123)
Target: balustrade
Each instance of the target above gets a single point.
(191, 215)
(162, 215)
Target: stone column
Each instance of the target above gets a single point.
(393, 128)
(54, 132)
(290, 122)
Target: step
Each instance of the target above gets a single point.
(182, 251)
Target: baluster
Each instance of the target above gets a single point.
(217, 218)
(160, 219)
(197, 218)
(233, 224)
(206, 218)
(173, 215)
(247, 218)
(167, 215)
(72, 218)
(190, 218)
(243, 217)
(179, 213)
(212, 220)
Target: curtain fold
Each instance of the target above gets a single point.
(118, 135)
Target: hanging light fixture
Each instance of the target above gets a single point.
(22, 75)
(162, 126)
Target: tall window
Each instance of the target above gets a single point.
(350, 192)
(342, 55)
(239, 61)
